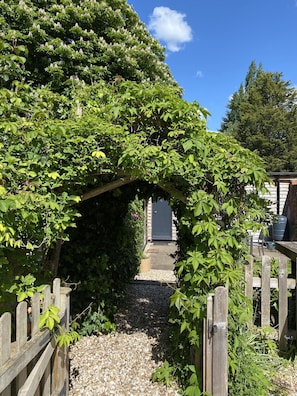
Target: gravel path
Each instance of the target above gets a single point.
(121, 364)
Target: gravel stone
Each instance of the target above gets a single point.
(121, 364)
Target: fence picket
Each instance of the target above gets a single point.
(5, 347)
(283, 305)
(35, 314)
(56, 292)
(46, 297)
(265, 294)
(21, 338)
(249, 277)
(5, 336)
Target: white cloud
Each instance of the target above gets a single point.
(199, 74)
(170, 27)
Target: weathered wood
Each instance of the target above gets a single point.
(47, 380)
(283, 305)
(35, 314)
(21, 337)
(33, 381)
(248, 275)
(56, 292)
(274, 283)
(16, 362)
(19, 361)
(5, 337)
(47, 299)
(265, 292)
(207, 346)
(289, 249)
(283, 284)
(108, 187)
(58, 371)
(5, 347)
(220, 343)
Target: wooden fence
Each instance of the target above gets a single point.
(215, 344)
(265, 283)
(33, 365)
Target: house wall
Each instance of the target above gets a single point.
(287, 205)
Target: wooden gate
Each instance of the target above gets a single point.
(265, 283)
(33, 364)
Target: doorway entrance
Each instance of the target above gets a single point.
(162, 221)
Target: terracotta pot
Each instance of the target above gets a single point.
(145, 265)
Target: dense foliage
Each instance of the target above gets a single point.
(106, 247)
(262, 116)
(86, 40)
(73, 132)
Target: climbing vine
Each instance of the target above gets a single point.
(124, 133)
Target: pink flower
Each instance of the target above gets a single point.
(135, 215)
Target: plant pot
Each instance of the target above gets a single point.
(145, 265)
(270, 245)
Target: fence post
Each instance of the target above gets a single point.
(265, 292)
(60, 358)
(207, 346)
(47, 373)
(283, 304)
(215, 344)
(220, 342)
(248, 276)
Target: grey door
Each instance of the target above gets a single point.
(161, 221)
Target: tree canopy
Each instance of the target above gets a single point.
(69, 40)
(262, 116)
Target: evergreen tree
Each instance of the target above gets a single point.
(262, 116)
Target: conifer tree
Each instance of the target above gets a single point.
(262, 116)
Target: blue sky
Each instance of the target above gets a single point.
(211, 43)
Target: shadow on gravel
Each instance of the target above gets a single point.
(146, 310)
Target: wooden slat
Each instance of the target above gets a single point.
(47, 381)
(35, 314)
(220, 343)
(18, 362)
(47, 301)
(14, 366)
(46, 297)
(5, 347)
(265, 292)
(56, 292)
(5, 337)
(21, 337)
(249, 278)
(283, 304)
(289, 249)
(21, 324)
(274, 283)
(207, 346)
(32, 383)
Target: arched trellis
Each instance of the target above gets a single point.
(56, 158)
